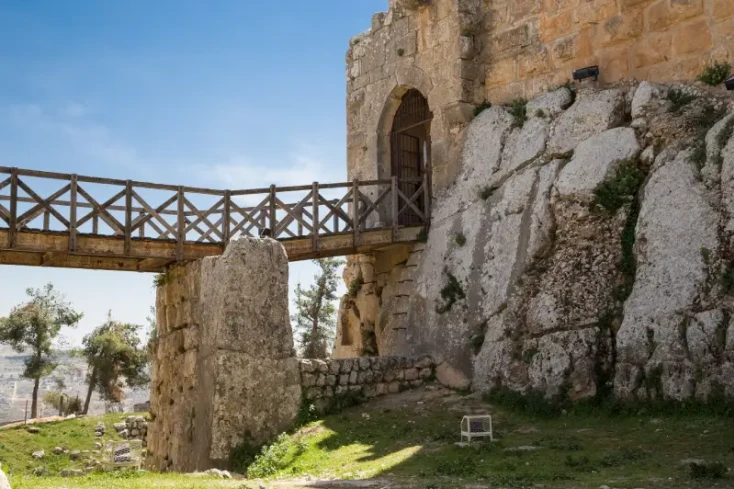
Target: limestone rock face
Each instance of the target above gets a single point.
(529, 281)
(225, 371)
(592, 113)
(596, 160)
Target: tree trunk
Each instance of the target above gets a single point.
(92, 381)
(34, 401)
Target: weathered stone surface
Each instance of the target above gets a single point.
(595, 160)
(451, 377)
(4, 484)
(592, 113)
(550, 103)
(672, 252)
(242, 384)
(542, 282)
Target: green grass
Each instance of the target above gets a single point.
(577, 450)
(17, 444)
(409, 440)
(127, 480)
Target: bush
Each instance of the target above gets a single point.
(679, 98)
(613, 193)
(715, 74)
(460, 239)
(276, 456)
(482, 107)
(354, 287)
(450, 293)
(518, 110)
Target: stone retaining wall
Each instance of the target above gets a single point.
(325, 381)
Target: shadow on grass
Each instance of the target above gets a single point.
(417, 443)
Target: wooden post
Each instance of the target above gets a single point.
(225, 218)
(13, 210)
(128, 215)
(141, 229)
(336, 222)
(395, 205)
(46, 220)
(315, 216)
(426, 200)
(181, 231)
(95, 225)
(272, 212)
(72, 215)
(25, 418)
(355, 211)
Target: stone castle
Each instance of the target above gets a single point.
(581, 238)
(531, 270)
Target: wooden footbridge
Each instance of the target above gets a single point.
(108, 224)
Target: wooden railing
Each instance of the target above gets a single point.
(132, 211)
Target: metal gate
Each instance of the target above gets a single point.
(409, 152)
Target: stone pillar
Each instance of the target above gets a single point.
(224, 371)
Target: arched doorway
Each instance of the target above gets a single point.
(410, 151)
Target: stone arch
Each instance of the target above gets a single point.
(405, 122)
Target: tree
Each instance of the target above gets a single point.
(115, 360)
(34, 326)
(315, 310)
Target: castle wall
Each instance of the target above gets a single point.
(467, 52)
(530, 46)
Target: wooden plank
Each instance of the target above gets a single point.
(372, 206)
(72, 214)
(203, 218)
(100, 210)
(394, 204)
(273, 219)
(315, 214)
(4, 214)
(426, 198)
(154, 214)
(410, 203)
(225, 218)
(40, 208)
(41, 203)
(355, 211)
(128, 215)
(181, 234)
(13, 224)
(46, 221)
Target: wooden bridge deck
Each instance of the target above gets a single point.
(107, 224)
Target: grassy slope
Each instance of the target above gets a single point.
(415, 440)
(409, 439)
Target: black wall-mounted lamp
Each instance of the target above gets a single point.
(587, 72)
(729, 83)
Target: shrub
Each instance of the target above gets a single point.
(518, 110)
(460, 239)
(715, 74)
(354, 287)
(727, 279)
(450, 293)
(482, 107)
(613, 193)
(161, 279)
(422, 236)
(276, 456)
(679, 98)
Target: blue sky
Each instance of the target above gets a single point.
(226, 94)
